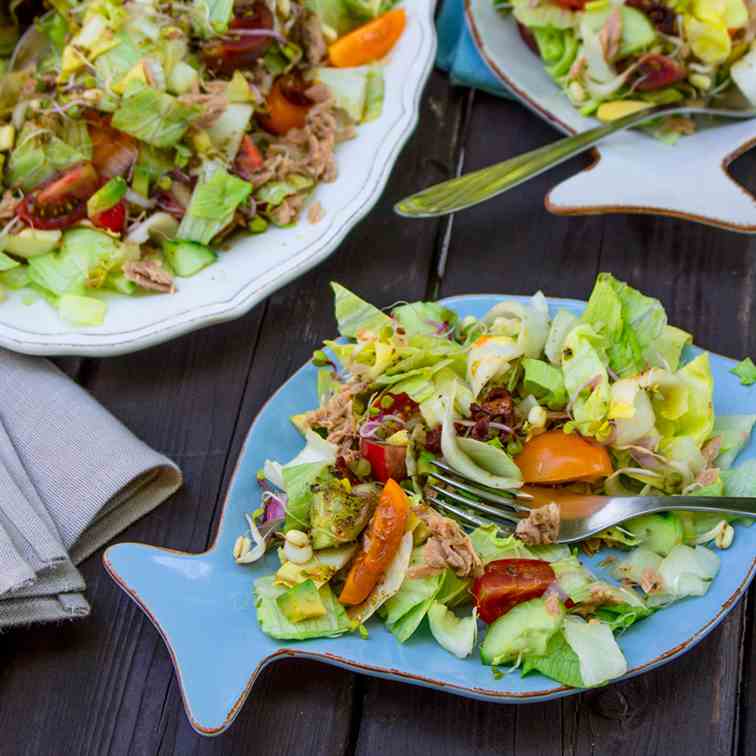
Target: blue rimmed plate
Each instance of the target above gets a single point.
(202, 604)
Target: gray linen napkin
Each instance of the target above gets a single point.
(71, 478)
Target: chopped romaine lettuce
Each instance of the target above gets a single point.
(214, 202)
(354, 315)
(559, 662)
(600, 657)
(746, 371)
(38, 156)
(490, 546)
(733, 431)
(154, 117)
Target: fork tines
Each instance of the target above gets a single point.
(457, 490)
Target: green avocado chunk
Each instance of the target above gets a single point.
(301, 602)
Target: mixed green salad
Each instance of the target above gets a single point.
(137, 135)
(615, 57)
(516, 401)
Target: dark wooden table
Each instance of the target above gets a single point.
(106, 684)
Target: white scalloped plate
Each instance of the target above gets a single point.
(256, 266)
(633, 173)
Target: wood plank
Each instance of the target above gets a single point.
(705, 279)
(115, 690)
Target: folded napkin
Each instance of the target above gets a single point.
(458, 55)
(71, 478)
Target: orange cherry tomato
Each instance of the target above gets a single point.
(508, 582)
(370, 42)
(287, 108)
(384, 532)
(558, 457)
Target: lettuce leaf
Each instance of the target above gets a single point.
(545, 383)
(599, 655)
(746, 371)
(38, 158)
(734, 432)
(560, 663)
(273, 623)
(490, 546)
(456, 635)
(740, 480)
(212, 16)
(354, 314)
(212, 207)
(667, 350)
(424, 318)
(630, 322)
(298, 481)
(586, 379)
(479, 462)
(405, 610)
(698, 419)
(153, 117)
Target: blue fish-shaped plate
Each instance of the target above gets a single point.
(203, 604)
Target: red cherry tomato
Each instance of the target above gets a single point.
(386, 461)
(558, 457)
(113, 219)
(573, 5)
(249, 160)
(62, 201)
(508, 582)
(238, 51)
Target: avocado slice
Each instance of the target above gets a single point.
(524, 629)
(301, 602)
(659, 532)
(337, 516)
(637, 31)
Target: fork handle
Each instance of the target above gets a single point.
(740, 506)
(618, 509)
(478, 186)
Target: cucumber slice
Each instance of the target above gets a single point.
(32, 242)
(524, 629)
(187, 258)
(637, 31)
(658, 532)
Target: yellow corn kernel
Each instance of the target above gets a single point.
(611, 111)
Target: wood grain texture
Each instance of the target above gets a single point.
(106, 684)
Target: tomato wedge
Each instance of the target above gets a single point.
(386, 460)
(573, 5)
(113, 219)
(558, 457)
(287, 106)
(508, 582)
(384, 532)
(249, 160)
(62, 201)
(370, 42)
(252, 22)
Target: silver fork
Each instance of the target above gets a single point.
(479, 186)
(581, 516)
